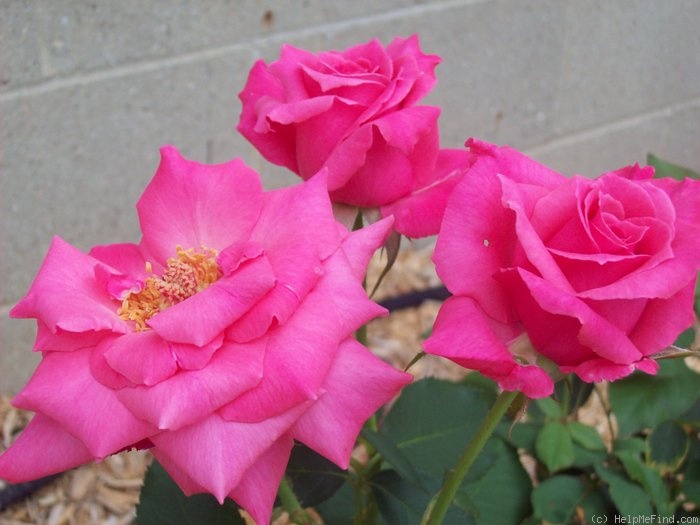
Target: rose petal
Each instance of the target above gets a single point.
(476, 240)
(596, 333)
(62, 341)
(65, 294)
(144, 358)
(663, 320)
(521, 199)
(192, 205)
(405, 144)
(287, 214)
(216, 453)
(597, 370)
(43, 448)
(465, 335)
(357, 385)
(127, 258)
(200, 318)
(402, 50)
(82, 406)
(190, 395)
(420, 213)
(257, 488)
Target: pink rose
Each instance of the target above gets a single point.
(591, 277)
(221, 337)
(354, 112)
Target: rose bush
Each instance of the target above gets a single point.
(221, 337)
(354, 112)
(572, 275)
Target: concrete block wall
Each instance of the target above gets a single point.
(89, 90)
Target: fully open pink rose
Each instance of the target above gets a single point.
(221, 337)
(594, 276)
(354, 112)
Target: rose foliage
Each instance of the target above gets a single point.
(555, 275)
(220, 338)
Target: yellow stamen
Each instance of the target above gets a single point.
(190, 272)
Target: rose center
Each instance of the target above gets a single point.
(191, 271)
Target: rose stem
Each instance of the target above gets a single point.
(291, 504)
(441, 501)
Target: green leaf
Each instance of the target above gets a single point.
(650, 479)
(666, 169)
(668, 446)
(629, 498)
(340, 508)
(586, 436)
(685, 339)
(549, 407)
(163, 503)
(593, 504)
(691, 489)
(584, 457)
(554, 446)
(691, 474)
(393, 455)
(431, 423)
(314, 478)
(556, 498)
(502, 494)
(400, 501)
(523, 435)
(633, 445)
(642, 401)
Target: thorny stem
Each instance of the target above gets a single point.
(440, 503)
(291, 504)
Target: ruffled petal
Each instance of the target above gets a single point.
(257, 488)
(538, 305)
(297, 269)
(200, 318)
(476, 240)
(191, 205)
(264, 89)
(299, 353)
(63, 388)
(215, 454)
(420, 213)
(465, 335)
(360, 245)
(516, 166)
(144, 358)
(191, 395)
(297, 359)
(521, 199)
(43, 448)
(300, 213)
(357, 385)
(404, 143)
(662, 320)
(126, 258)
(65, 294)
(62, 341)
(320, 123)
(402, 50)
(597, 370)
